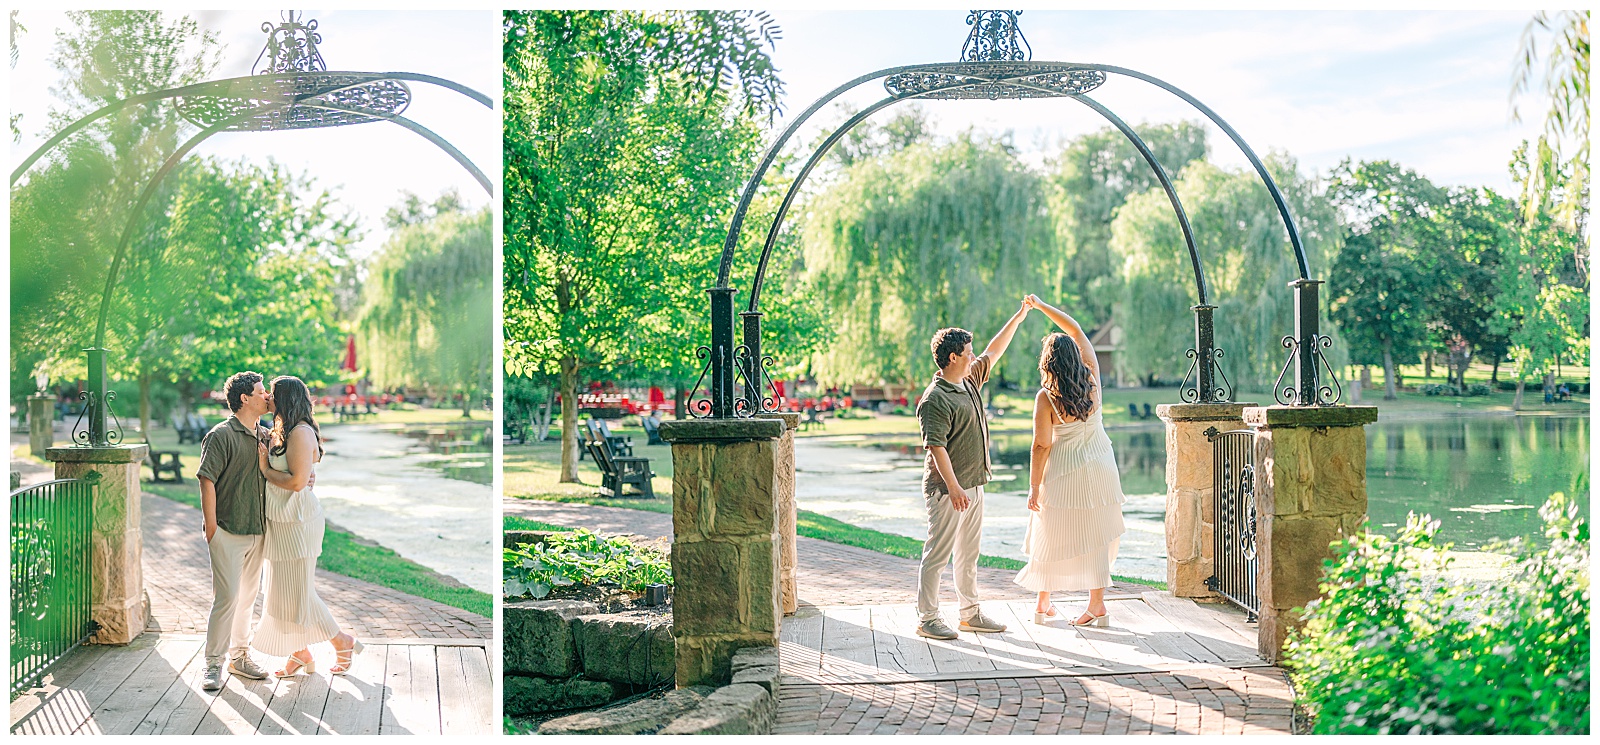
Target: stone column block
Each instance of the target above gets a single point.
(1190, 512)
(1311, 491)
(41, 424)
(783, 485)
(118, 602)
(728, 478)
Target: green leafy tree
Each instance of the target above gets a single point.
(1093, 176)
(936, 234)
(1248, 262)
(427, 313)
(625, 135)
(1559, 160)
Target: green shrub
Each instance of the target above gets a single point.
(1478, 389)
(581, 558)
(1397, 646)
(1438, 389)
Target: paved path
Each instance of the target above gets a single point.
(852, 666)
(177, 576)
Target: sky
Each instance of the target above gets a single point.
(1429, 90)
(369, 166)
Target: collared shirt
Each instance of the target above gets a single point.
(228, 458)
(951, 416)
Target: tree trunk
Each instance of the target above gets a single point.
(1516, 402)
(541, 428)
(1494, 377)
(569, 420)
(1388, 373)
(144, 405)
(680, 401)
(1427, 365)
(466, 405)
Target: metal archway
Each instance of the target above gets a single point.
(994, 66)
(295, 90)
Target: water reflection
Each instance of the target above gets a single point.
(1483, 478)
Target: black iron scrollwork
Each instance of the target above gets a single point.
(81, 436)
(995, 37)
(372, 96)
(700, 408)
(1190, 392)
(1247, 493)
(291, 46)
(1325, 395)
(994, 80)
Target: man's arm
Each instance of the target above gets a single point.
(941, 461)
(997, 345)
(208, 506)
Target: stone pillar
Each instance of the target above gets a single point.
(41, 424)
(117, 543)
(1190, 511)
(725, 542)
(1311, 490)
(783, 483)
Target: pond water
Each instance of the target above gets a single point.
(1483, 478)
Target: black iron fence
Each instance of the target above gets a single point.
(51, 584)
(1233, 492)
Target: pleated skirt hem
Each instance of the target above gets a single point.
(295, 616)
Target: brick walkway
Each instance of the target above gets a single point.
(1215, 700)
(177, 577)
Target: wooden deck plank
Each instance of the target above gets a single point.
(1205, 628)
(239, 707)
(962, 654)
(425, 694)
(355, 701)
(59, 680)
(1065, 643)
(126, 709)
(466, 694)
(800, 643)
(396, 691)
(72, 706)
(297, 709)
(899, 649)
(847, 642)
(183, 705)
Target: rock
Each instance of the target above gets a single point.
(755, 657)
(738, 709)
(633, 648)
(538, 636)
(643, 717)
(766, 677)
(524, 695)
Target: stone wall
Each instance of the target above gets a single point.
(566, 654)
(1190, 510)
(727, 475)
(117, 543)
(1311, 490)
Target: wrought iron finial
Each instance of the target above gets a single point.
(995, 37)
(291, 46)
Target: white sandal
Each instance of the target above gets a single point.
(1044, 619)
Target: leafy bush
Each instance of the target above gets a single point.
(1478, 389)
(581, 558)
(1398, 646)
(1438, 389)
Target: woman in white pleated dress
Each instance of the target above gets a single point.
(1074, 489)
(295, 616)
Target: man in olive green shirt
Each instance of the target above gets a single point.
(956, 434)
(233, 500)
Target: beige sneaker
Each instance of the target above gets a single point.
(982, 624)
(245, 667)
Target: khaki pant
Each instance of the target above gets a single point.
(952, 536)
(235, 582)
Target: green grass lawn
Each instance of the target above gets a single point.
(353, 556)
(531, 472)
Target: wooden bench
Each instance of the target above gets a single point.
(814, 418)
(651, 431)
(622, 445)
(165, 461)
(190, 429)
(618, 472)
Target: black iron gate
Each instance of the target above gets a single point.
(51, 582)
(1233, 493)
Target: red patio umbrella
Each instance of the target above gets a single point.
(350, 355)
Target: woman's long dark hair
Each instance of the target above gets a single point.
(293, 402)
(1065, 376)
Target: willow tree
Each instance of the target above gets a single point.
(1248, 265)
(626, 135)
(933, 235)
(426, 318)
(1093, 176)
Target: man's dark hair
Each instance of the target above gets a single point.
(240, 385)
(947, 342)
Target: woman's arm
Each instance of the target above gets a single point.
(302, 453)
(1044, 435)
(1069, 325)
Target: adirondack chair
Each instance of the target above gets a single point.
(620, 444)
(165, 462)
(652, 430)
(617, 472)
(187, 433)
